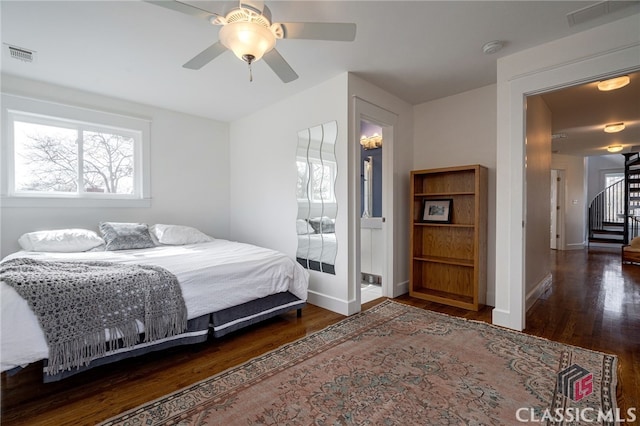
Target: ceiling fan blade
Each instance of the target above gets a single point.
(256, 5)
(280, 66)
(332, 31)
(206, 56)
(183, 8)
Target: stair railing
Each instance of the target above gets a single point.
(634, 227)
(607, 207)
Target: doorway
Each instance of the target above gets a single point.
(372, 221)
(517, 80)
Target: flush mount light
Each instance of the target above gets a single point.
(614, 148)
(613, 83)
(614, 128)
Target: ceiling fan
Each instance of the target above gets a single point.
(248, 31)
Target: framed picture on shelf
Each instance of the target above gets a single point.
(437, 211)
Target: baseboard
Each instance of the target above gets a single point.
(331, 303)
(503, 318)
(538, 291)
(348, 307)
(574, 246)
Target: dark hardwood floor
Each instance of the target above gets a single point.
(594, 303)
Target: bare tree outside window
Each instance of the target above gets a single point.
(303, 180)
(322, 176)
(108, 163)
(48, 159)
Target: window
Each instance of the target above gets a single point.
(614, 197)
(315, 178)
(62, 157)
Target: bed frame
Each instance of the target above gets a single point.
(216, 324)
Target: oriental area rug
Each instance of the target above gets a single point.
(395, 364)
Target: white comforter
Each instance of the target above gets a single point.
(213, 276)
(318, 247)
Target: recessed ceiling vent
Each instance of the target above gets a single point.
(20, 53)
(597, 10)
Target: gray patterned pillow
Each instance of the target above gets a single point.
(125, 236)
(323, 225)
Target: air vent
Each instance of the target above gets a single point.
(20, 53)
(597, 10)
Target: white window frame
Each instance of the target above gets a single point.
(17, 108)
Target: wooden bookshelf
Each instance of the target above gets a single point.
(449, 259)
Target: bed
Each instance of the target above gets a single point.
(317, 245)
(317, 252)
(225, 286)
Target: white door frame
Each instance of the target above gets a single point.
(364, 110)
(514, 85)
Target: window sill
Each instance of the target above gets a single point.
(26, 202)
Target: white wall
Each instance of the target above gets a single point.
(189, 170)
(263, 179)
(597, 53)
(460, 130)
(575, 200)
(263, 150)
(538, 193)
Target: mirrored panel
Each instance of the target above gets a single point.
(315, 192)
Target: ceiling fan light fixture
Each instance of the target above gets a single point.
(614, 128)
(247, 39)
(614, 148)
(613, 83)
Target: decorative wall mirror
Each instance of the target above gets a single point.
(315, 192)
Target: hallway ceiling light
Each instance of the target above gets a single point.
(613, 83)
(614, 148)
(614, 128)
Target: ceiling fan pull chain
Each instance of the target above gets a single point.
(249, 59)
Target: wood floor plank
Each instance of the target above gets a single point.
(594, 302)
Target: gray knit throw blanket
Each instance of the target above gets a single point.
(75, 303)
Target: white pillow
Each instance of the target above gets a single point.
(60, 240)
(303, 227)
(179, 235)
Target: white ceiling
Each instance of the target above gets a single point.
(417, 50)
(579, 113)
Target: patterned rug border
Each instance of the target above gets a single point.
(371, 311)
(501, 328)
